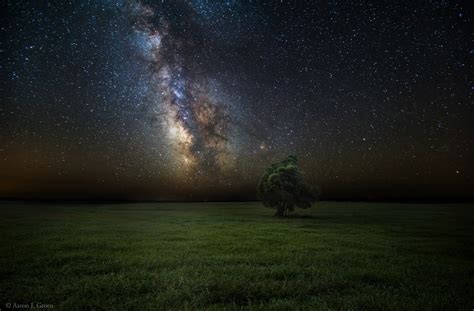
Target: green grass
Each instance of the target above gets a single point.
(339, 256)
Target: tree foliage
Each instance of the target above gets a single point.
(282, 187)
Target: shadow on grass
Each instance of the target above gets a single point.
(297, 216)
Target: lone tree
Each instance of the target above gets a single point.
(282, 187)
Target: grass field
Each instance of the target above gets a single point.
(341, 256)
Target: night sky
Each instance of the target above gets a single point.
(191, 100)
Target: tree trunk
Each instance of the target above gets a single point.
(280, 212)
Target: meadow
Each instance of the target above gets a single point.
(233, 256)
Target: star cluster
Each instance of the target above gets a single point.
(193, 99)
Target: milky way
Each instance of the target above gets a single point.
(196, 125)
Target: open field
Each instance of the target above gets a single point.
(191, 256)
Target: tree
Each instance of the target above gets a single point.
(282, 187)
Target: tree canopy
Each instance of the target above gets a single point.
(282, 187)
